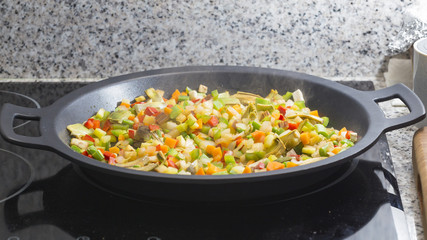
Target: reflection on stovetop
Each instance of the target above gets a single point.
(60, 204)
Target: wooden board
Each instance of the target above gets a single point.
(419, 158)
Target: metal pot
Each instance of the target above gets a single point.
(356, 110)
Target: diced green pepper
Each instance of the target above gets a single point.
(287, 96)
(118, 132)
(195, 154)
(217, 134)
(205, 129)
(262, 101)
(182, 127)
(77, 149)
(256, 125)
(172, 152)
(348, 142)
(191, 120)
(325, 121)
(320, 129)
(217, 104)
(221, 173)
(223, 120)
(128, 122)
(175, 112)
(215, 94)
(229, 159)
(96, 154)
(229, 100)
(99, 133)
(323, 151)
(120, 126)
(183, 98)
(300, 104)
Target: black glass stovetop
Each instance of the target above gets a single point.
(44, 197)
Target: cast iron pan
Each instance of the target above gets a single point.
(356, 110)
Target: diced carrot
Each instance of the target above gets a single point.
(342, 130)
(210, 149)
(217, 154)
(237, 108)
(121, 137)
(141, 117)
(200, 123)
(305, 138)
(274, 166)
(336, 150)
(167, 110)
(127, 105)
(115, 150)
(247, 170)
(315, 113)
(131, 117)
(175, 95)
(213, 169)
(164, 148)
(213, 121)
(258, 136)
(291, 164)
(200, 172)
(158, 147)
(239, 140)
(101, 150)
(250, 162)
(170, 142)
(184, 94)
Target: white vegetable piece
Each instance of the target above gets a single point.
(297, 95)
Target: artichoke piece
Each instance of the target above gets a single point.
(147, 168)
(154, 95)
(264, 107)
(290, 138)
(301, 125)
(303, 115)
(119, 116)
(278, 149)
(78, 130)
(250, 112)
(274, 95)
(246, 98)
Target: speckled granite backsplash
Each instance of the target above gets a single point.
(86, 39)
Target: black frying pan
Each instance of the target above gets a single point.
(356, 110)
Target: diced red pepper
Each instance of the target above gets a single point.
(347, 135)
(213, 121)
(141, 118)
(195, 100)
(281, 117)
(172, 164)
(158, 147)
(96, 123)
(109, 155)
(106, 126)
(153, 127)
(131, 133)
(169, 106)
(150, 111)
(88, 138)
(282, 109)
(136, 125)
(293, 126)
(85, 153)
(89, 123)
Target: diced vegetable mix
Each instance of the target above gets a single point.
(200, 133)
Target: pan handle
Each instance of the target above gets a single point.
(412, 102)
(9, 112)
